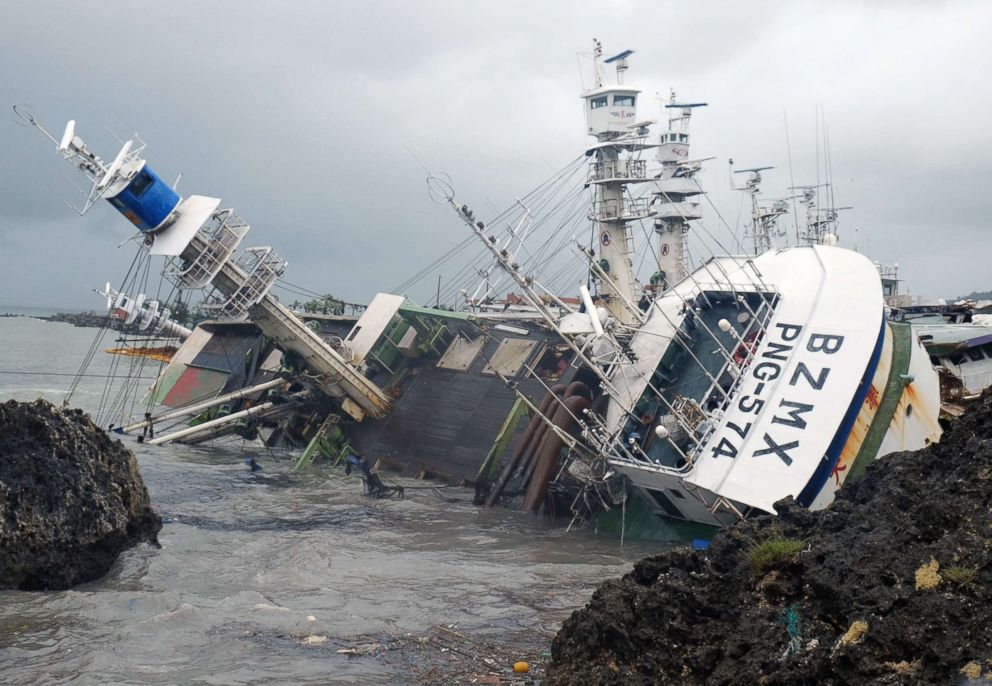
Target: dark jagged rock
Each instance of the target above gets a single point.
(858, 604)
(71, 499)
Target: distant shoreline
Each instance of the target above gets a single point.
(36, 312)
(81, 319)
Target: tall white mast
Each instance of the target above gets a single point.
(200, 242)
(611, 117)
(676, 205)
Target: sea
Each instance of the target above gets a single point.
(261, 578)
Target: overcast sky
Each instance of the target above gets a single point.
(313, 119)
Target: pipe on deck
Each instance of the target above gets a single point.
(206, 404)
(550, 449)
(220, 421)
(528, 443)
(576, 388)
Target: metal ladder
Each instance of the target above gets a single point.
(317, 444)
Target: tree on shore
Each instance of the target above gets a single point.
(326, 304)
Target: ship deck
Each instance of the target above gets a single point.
(695, 376)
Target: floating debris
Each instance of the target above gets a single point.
(314, 640)
(444, 655)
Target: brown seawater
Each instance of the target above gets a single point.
(251, 564)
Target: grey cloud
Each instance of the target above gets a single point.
(306, 117)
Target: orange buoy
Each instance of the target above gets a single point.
(521, 667)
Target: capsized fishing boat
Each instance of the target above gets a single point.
(415, 388)
(703, 396)
(752, 379)
(756, 380)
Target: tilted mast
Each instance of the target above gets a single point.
(821, 222)
(142, 314)
(200, 242)
(764, 228)
(677, 188)
(611, 117)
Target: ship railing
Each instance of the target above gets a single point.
(646, 465)
(724, 385)
(718, 502)
(262, 266)
(622, 210)
(222, 235)
(619, 169)
(742, 355)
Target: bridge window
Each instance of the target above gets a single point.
(623, 100)
(596, 103)
(142, 182)
(976, 354)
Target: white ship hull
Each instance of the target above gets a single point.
(817, 386)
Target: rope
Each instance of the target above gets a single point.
(547, 203)
(88, 357)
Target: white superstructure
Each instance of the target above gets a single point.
(677, 193)
(611, 117)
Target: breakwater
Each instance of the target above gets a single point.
(85, 319)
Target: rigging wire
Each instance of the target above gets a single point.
(792, 178)
(716, 210)
(567, 205)
(103, 412)
(457, 248)
(816, 124)
(828, 153)
(542, 202)
(20, 372)
(97, 339)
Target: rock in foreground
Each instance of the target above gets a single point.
(890, 585)
(71, 499)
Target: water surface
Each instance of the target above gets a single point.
(252, 564)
